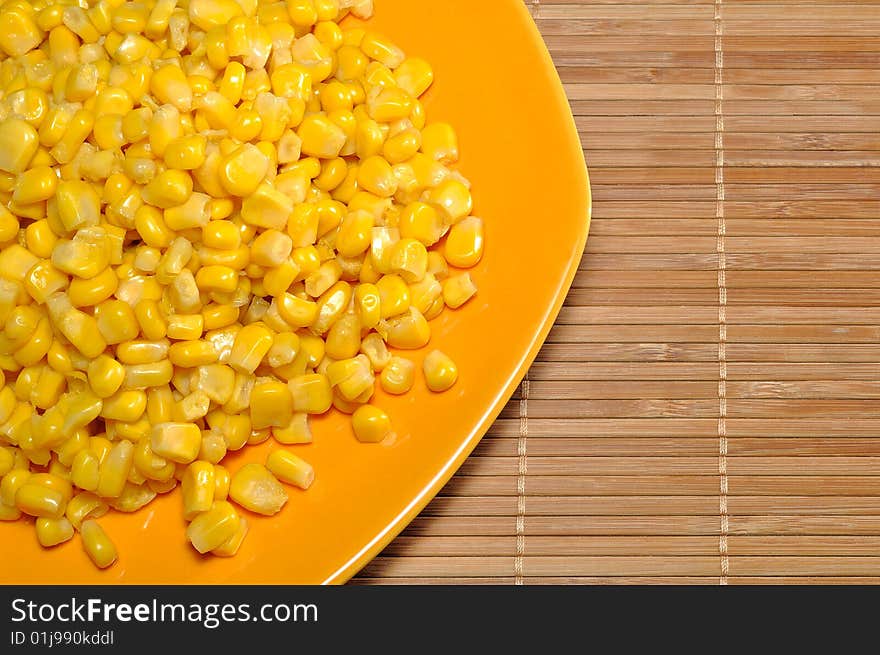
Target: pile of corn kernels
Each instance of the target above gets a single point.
(217, 216)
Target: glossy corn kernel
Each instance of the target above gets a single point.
(271, 405)
(198, 489)
(398, 376)
(311, 393)
(51, 532)
(458, 289)
(464, 245)
(97, 544)
(105, 376)
(290, 469)
(255, 488)
(371, 424)
(252, 344)
(178, 442)
(440, 371)
(37, 500)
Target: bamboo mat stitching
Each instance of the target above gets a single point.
(522, 445)
(722, 288)
(522, 472)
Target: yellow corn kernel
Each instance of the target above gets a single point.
(297, 431)
(409, 259)
(78, 130)
(19, 142)
(344, 338)
(231, 546)
(394, 298)
(252, 344)
(169, 85)
(198, 487)
(40, 239)
(133, 497)
(452, 199)
(80, 258)
(223, 235)
(97, 544)
(255, 488)
(85, 470)
(297, 312)
(193, 406)
(440, 143)
(78, 204)
(143, 376)
(105, 376)
(271, 248)
(186, 153)
(289, 468)
(464, 245)
(398, 376)
(178, 442)
(367, 299)
(190, 354)
(242, 171)
(116, 321)
(271, 405)
(51, 532)
(87, 293)
(12, 482)
(311, 394)
(216, 278)
(43, 280)
(114, 470)
(425, 293)
(267, 207)
(185, 327)
(325, 277)
(7, 460)
(214, 527)
(83, 506)
(170, 188)
(374, 347)
(127, 405)
(217, 316)
(221, 482)
(216, 381)
(371, 424)
(379, 48)
(408, 332)
(150, 319)
(279, 279)
(284, 349)
(321, 137)
(35, 185)
(458, 289)
(355, 234)
(420, 221)
(38, 500)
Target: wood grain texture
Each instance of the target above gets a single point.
(734, 151)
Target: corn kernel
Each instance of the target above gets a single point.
(458, 289)
(178, 442)
(212, 528)
(252, 344)
(371, 424)
(97, 544)
(289, 468)
(198, 489)
(255, 488)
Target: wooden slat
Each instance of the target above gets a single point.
(620, 478)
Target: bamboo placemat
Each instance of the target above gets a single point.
(706, 409)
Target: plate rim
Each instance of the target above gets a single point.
(369, 551)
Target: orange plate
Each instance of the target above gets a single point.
(496, 84)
